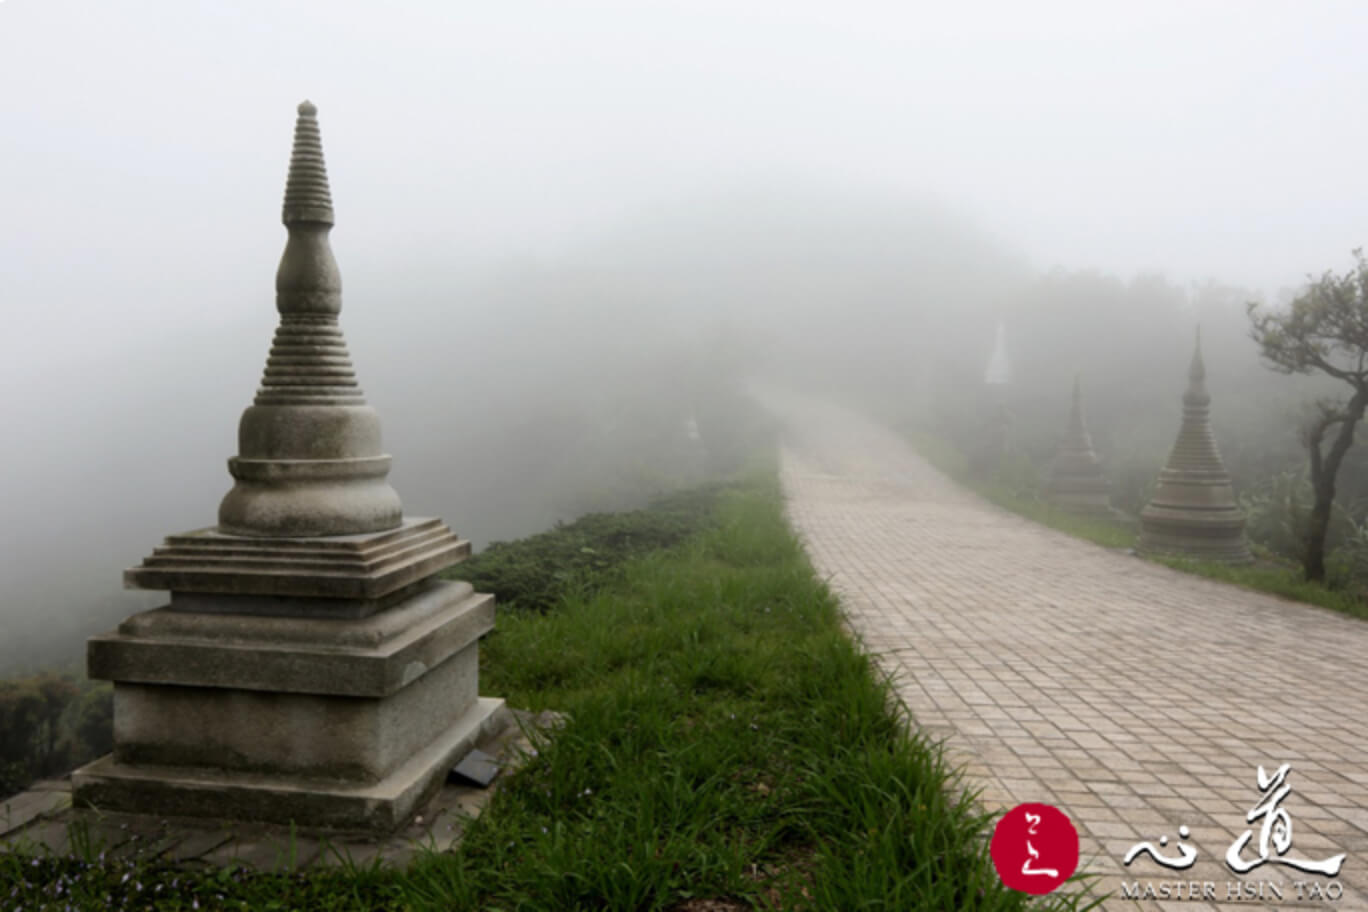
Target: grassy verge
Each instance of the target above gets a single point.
(536, 573)
(1100, 531)
(1017, 497)
(727, 748)
(1268, 575)
(1286, 581)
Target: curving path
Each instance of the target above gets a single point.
(1133, 697)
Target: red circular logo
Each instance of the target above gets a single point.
(1035, 848)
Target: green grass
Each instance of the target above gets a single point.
(536, 572)
(1270, 576)
(1101, 531)
(725, 741)
(1286, 581)
(1016, 498)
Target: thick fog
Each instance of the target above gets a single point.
(566, 228)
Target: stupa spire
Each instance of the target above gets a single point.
(1193, 511)
(1075, 481)
(999, 370)
(1197, 391)
(307, 195)
(309, 459)
(1078, 428)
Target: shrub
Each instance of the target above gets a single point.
(534, 573)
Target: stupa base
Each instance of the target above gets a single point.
(166, 791)
(345, 723)
(1224, 550)
(1082, 504)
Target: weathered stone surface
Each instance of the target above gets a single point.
(309, 457)
(41, 837)
(1075, 482)
(357, 739)
(18, 811)
(376, 657)
(437, 826)
(1193, 512)
(364, 567)
(206, 792)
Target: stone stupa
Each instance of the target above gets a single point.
(1075, 481)
(993, 440)
(310, 667)
(998, 371)
(1193, 512)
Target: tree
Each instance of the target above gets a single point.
(1324, 329)
(57, 691)
(95, 722)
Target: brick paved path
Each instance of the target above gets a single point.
(1134, 697)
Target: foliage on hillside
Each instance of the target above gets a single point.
(50, 723)
(536, 572)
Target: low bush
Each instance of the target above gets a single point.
(534, 573)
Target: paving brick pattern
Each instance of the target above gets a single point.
(1133, 697)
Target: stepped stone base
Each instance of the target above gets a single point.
(1086, 497)
(42, 822)
(338, 575)
(323, 722)
(1194, 517)
(204, 792)
(370, 657)
(1216, 536)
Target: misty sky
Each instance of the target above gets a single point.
(146, 147)
(145, 140)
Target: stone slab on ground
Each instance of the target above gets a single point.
(18, 811)
(60, 829)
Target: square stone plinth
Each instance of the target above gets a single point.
(208, 793)
(317, 721)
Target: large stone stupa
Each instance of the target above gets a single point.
(310, 667)
(1193, 512)
(1075, 482)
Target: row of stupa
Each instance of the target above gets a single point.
(1192, 513)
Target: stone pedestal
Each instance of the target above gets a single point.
(310, 667)
(1193, 512)
(1075, 482)
(317, 721)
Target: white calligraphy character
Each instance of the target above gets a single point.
(1034, 821)
(1277, 830)
(1186, 853)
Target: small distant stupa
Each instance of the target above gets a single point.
(995, 436)
(999, 370)
(1193, 511)
(1075, 482)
